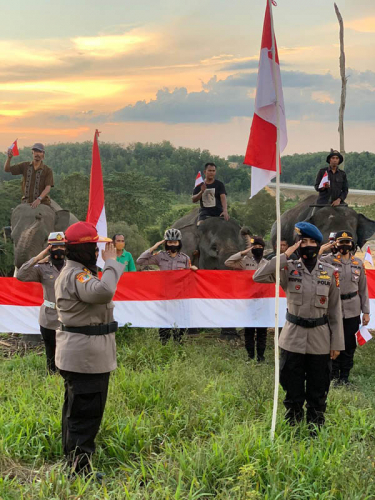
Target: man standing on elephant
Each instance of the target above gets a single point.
(45, 269)
(37, 177)
(313, 334)
(242, 260)
(335, 190)
(354, 299)
(212, 195)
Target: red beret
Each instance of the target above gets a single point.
(83, 232)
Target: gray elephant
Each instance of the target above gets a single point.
(31, 227)
(328, 219)
(212, 243)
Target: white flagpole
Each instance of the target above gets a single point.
(278, 231)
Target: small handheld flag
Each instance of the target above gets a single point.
(324, 181)
(368, 256)
(14, 148)
(363, 336)
(199, 179)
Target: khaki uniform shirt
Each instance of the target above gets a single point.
(34, 181)
(244, 262)
(352, 279)
(82, 299)
(308, 296)
(46, 274)
(164, 260)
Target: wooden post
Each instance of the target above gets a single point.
(343, 84)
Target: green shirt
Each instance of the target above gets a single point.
(127, 259)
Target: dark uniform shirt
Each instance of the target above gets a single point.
(34, 181)
(338, 187)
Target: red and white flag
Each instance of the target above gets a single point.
(96, 208)
(261, 148)
(199, 179)
(368, 256)
(14, 148)
(363, 336)
(324, 180)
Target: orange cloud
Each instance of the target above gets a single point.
(365, 25)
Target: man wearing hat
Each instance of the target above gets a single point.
(85, 341)
(335, 190)
(354, 299)
(37, 177)
(313, 334)
(244, 261)
(45, 268)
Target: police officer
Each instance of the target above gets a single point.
(312, 335)
(168, 260)
(85, 342)
(244, 261)
(354, 299)
(45, 268)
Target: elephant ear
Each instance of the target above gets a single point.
(365, 229)
(62, 218)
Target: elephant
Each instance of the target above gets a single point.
(31, 227)
(328, 219)
(211, 243)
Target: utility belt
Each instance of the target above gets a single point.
(306, 322)
(49, 304)
(103, 329)
(347, 296)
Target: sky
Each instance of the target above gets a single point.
(181, 70)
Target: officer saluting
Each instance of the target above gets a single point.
(354, 299)
(313, 333)
(85, 342)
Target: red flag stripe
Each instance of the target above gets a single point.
(96, 200)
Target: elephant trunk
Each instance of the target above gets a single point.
(28, 245)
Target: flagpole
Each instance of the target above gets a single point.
(278, 231)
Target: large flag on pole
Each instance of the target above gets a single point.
(96, 208)
(261, 148)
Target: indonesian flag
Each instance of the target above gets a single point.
(261, 148)
(324, 180)
(368, 256)
(199, 179)
(96, 209)
(14, 148)
(363, 336)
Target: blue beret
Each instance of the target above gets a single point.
(307, 230)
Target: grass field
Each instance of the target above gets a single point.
(188, 422)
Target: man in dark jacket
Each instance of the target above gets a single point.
(335, 189)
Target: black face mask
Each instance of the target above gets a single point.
(344, 249)
(58, 254)
(309, 252)
(84, 253)
(173, 248)
(257, 253)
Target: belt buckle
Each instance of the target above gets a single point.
(311, 322)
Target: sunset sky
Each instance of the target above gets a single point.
(181, 70)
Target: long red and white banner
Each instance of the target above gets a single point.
(186, 299)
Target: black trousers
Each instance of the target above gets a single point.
(305, 378)
(49, 338)
(84, 402)
(342, 365)
(261, 334)
(165, 334)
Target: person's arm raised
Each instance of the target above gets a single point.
(198, 196)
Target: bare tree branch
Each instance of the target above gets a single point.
(343, 83)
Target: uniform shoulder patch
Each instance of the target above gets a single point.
(84, 276)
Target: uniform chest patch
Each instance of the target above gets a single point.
(322, 282)
(355, 262)
(357, 271)
(295, 273)
(298, 287)
(83, 277)
(323, 300)
(323, 277)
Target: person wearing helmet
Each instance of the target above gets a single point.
(354, 299)
(335, 190)
(246, 262)
(45, 269)
(85, 341)
(170, 259)
(313, 334)
(37, 176)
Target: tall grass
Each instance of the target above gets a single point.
(187, 422)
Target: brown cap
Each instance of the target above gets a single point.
(39, 147)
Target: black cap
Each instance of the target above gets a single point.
(335, 153)
(344, 235)
(257, 240)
